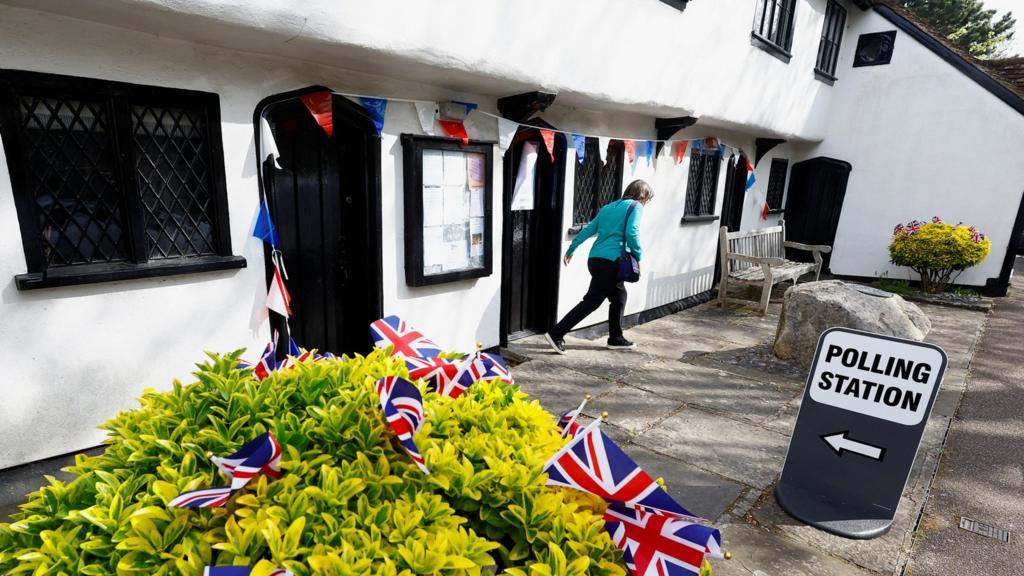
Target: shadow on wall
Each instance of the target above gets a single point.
(667, 289)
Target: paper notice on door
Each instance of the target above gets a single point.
(456, 205)
(433, 206)
(476, 203)
(433, 168)
(454, 168)
(475, 170)
(522, 195)
(456, 247)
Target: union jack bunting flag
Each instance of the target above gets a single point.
(239, 571)
(267, 363)
(661, 545)
(405, 340)
(495, 367)
(569, 421)
(403, 409)
(592, 462)
(261, 455)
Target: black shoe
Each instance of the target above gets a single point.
(620, 343)
(557, 344)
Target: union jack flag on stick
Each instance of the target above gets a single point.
(592, 462)
(495, 367)
(261, 455)
(403, 409)
(239, 571)
(405, 340)
(661, 545)
(568, 421)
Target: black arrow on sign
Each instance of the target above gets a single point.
(839, 442)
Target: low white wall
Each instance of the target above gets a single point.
(925, 141)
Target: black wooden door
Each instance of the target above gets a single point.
(817, 188)
(532, 241)
(735, 190)
(326, 205)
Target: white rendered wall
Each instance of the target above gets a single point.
(635, 56)
(75, 356)
(924, 140)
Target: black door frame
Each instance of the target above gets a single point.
(549, 266)
(375, 233)
(793, 210)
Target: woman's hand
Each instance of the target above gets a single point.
(566, 259)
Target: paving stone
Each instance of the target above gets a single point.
(755, 362)
(885, 554)
(703, 494)
(631, 408)
(734, 449)
(742, 506)
(556, 387)
(713, 389)
(587, 356)
(784, 421)
(761, 552)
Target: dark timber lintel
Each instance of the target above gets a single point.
(667, 127)
(521, 107)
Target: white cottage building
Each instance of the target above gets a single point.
(130, 178)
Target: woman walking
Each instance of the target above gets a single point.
(617, 224)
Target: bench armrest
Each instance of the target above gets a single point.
(756, 260)
(808, 247)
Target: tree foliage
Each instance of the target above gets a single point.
(968, 24)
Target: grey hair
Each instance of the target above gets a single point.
(640, 191)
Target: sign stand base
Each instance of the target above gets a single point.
(842, 519)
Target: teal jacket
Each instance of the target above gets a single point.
(608, 225)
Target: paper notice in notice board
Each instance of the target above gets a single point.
(476, 238)
(433, 168)
(522, 194)
(476, 202)
(433, 249)
(456, 247)
(456, 205)
(433, 206)
(454, 168)
(475, 170)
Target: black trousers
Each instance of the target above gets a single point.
(604, 283)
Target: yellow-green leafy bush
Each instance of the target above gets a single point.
(349, 501)
(939, 252)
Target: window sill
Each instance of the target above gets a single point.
(677, 4)
(96, 273)
(824, 77)
(776, 210)
(770, 47)
(698, 219)
(575, 229)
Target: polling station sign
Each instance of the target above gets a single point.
(864, 410)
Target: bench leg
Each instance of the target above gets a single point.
(766, 294)
(817, 272)
(722, 286)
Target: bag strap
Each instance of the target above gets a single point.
(625, 224)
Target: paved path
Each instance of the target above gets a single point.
(705, 405)
(981, 476)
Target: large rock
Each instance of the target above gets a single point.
(810, 309)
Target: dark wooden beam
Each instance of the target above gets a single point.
(521, 107)
(763, 146)
(667, 127)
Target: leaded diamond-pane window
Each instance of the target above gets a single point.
(777, 183)
(113, 180)
(702, 184)
(173, 178)
(70, 170)
(596, 183)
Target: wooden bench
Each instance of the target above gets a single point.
(758, 257)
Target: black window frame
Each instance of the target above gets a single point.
(776, 189)
(605, 187)
(831, 42)
(413, 146)
(117, 99)
(702, 186)
(776, 41)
